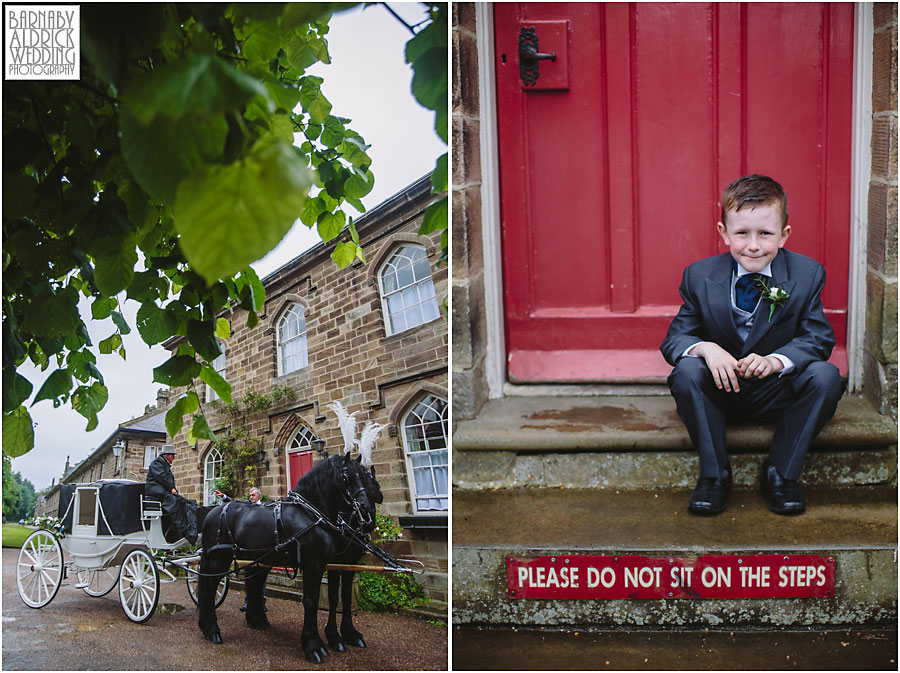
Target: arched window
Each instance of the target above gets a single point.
(219, 365)
(212, 468)
(425, 446)
(407, 292)
(299, 454)
(291, 335)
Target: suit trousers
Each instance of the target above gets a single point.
(799, 404)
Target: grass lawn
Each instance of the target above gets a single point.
(14, 534)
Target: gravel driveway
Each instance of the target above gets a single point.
(78, 632)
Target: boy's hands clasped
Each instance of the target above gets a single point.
(726, 370)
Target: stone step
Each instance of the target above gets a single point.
(491, 649)
(638, 441)
(856, 526)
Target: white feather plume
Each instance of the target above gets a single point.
(367, 440)
(347, 424)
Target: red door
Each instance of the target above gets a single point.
(612, 164)
(299, 463)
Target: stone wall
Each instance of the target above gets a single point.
(880, 364)
(469, 332)
(350, 359)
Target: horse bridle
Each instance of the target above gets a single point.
(357, 513)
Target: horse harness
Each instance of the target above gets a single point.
(342, 527)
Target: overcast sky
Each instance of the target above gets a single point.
(368, 82)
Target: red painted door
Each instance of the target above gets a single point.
(299, 463)
(613, 162)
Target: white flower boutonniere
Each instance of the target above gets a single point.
(774, 295)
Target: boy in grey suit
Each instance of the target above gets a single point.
(751, 341)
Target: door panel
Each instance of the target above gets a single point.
(610, 183)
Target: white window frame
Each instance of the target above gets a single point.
(304, 354)
(418, 283)
(214, 457)
(407, 453)
(153, 452)
(218, 365)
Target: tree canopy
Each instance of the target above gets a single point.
(161, 174)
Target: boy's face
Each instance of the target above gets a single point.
(754, 235)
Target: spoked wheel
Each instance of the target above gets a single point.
(193, 583)
(139, 586)
(98, 582)
(39, 570)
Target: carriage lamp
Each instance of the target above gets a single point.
(319, 446)
(261, 458)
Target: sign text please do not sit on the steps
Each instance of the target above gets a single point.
(635, 577)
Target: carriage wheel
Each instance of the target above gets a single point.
(99, 582)
(139, 586)
(39, 570)
(221, 590)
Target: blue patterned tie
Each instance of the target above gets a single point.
(746, 291)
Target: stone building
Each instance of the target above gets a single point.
(125, 454)
(372, 336)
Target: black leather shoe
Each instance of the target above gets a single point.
(710, 494)
(782, 495)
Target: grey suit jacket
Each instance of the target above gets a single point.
(798, 328)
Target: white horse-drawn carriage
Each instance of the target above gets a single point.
(111, 534)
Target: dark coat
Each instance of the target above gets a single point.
(160, 480)
(798, 328)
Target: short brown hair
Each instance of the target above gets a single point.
(754, 190)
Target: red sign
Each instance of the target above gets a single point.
(619, 577)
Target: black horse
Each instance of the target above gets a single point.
(340, 582)
(296, 538)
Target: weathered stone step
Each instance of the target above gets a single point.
(856, 526)
(481, 649)
(639, 442)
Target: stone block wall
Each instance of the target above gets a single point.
(350, 359)
(469, 330)
(880, 363)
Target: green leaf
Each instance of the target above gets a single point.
(154, 324)
(177, 371)
(114, 260)
(429, 83)
(187, 403)
(16, 389)
(200, 430)
(53, 315)
(88, 401)
(314, 207)
(312, 100)
(201, 335)
(332, 132)
(230, 216)
(111, 343)
(165, 151)
(119, 321)
(434, 35)
(223, 328)
(300, 51)
(250, 278)
(102, 307)
(435, 217)
(357, 186)
(194, 83)
(344, 253)
(214, 380)
(440, 123)
(57, 386)
(439, 175)
(18, 433)
(330, 225)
